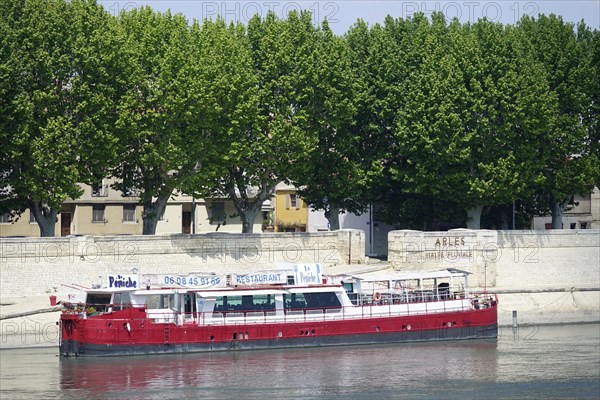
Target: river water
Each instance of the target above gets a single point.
(552, 362)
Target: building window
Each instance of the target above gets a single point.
(129, 213)
(217, 212)
(583, 225)
(573, 225)
(5, 218)
(98, 211)
(292, 201)
(32, 218)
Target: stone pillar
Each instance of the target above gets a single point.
(351, 246)
(474, 251)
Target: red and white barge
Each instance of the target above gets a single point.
(278, 309)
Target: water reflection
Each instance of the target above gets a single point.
(313, 370)
(534, 362)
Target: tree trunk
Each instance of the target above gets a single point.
(504, 225)
(248, 218)
(474, 217)
(45, 217)
(557, 213)
(333, 217)
(247, 207)
(152, 212)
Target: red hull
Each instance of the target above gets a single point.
(130, 332)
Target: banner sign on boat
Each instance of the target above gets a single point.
(123, 281)
(308, 274)
(264, 278)
(192, 281)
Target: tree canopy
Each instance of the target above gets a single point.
(60, 74)
(428, 119)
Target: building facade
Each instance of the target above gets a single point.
(583, 213)
(290, 213)
(102, 210)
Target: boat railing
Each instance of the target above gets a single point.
(349, 312)
(403, 296)
(385, 307)
(92, 309)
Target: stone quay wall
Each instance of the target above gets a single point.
(546, 276)
(38, 266)
(33, 269)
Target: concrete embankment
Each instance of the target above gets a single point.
(547, 277)
(550, 277)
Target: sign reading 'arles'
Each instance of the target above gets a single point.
(448, 248)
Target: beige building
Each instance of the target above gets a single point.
(102, 210)
(583, 213)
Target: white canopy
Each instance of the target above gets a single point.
(392, 275)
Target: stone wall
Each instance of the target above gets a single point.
(510, 260)
(38, 266)
(546, 276)
(548, 259)
(475, 251)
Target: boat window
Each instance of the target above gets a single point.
(152, 301)
(245, 303)
(188, 303)
(444, 291)
(311, 300)
(157, 301)
(294, 301)
(263, 302)
(99, 301)
(121, 301)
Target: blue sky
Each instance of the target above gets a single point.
(343, 13)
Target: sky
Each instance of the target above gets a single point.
(341, 14)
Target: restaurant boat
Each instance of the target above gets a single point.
(299, 307)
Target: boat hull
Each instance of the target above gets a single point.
(476, 324)
(74, 348)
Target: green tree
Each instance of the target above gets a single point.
(568, 151)
(60, 83)
(225, 91)
(471, 115)
(256, 155)
(158, 139)
(332, 177)
(385, 59)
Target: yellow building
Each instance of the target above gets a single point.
(291, 211)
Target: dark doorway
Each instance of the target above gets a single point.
(186, 221)
(65, 224)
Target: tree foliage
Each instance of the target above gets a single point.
(568, 150)
(60, 86)
(158, 136)
(434, 121)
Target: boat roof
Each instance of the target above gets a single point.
(225, 291)
(393, 275)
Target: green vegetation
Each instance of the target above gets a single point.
(430, 119)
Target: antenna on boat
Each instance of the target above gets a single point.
(485, 277)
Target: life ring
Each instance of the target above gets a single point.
(377, 297)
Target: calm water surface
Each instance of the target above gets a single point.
(536, 362)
